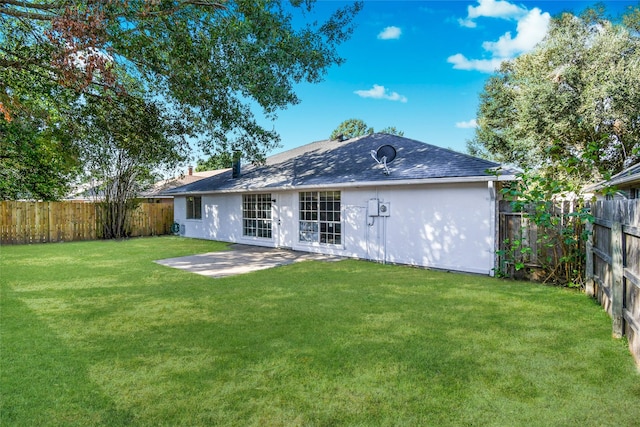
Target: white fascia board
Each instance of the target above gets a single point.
(361, 184)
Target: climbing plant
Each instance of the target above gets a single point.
(550, 243)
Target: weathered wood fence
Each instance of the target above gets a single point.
(533, 252)
(40, 222)
(613, 266)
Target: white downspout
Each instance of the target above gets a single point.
(492, 221)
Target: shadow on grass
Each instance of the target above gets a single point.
(43, 382)
(97, 334)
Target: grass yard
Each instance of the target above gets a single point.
(95, 333)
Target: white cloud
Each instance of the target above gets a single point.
(467, 23)
(492, 9)
(460, 62)
(531, 28)
(471, 124)
(530, 31)
(390, 33)
(380, 92)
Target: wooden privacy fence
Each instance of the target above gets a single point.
(613, 266)
(536, 248)
(41, 222)
(151, 219)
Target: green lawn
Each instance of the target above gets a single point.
(96, 333)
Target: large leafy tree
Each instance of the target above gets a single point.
(210, 62)
(38, 156)
(574, 100)
(123, 141)
(37, 161)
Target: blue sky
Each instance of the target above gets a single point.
(419, 66)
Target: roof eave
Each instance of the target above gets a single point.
(360, 184)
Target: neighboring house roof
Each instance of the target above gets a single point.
(627, 178)
(92, 191)
(159, 188)
(348, 163)
(88, 191)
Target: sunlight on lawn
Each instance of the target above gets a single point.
(346, 343)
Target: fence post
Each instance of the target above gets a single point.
(589, 285)
(617, 273)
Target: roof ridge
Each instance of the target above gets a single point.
(329, 162)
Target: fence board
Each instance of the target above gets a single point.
(615, 254)
(40, 222)
(152, 219)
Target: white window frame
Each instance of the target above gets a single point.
(320, 218)
(257, 216)
(193, 208)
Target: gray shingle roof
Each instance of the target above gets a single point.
(160, 188)
(627, 177)
(343, 162)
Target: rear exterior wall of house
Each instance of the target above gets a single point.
(445, 226)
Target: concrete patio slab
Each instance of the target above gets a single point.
(240, 259)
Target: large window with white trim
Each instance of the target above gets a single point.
(320, 220)
(256, 215)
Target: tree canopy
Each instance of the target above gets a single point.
(122, 141)
(575, 99)
(219, 160)
(352, 128)
(208, 62)
(35, 164)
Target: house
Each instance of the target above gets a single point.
(378, 197)
(93, 191)
(626, 185)
(156, 193)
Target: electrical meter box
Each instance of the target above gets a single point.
(372, 207)
(384, 209)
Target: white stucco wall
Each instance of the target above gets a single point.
(440, 226)
(447, 226)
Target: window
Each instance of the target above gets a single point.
(256, 215)
(194, 207)
(320, 217)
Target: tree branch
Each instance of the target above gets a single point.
(37, 6)
(182, 4)
(26, 15)
(48, 11)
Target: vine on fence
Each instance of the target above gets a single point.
(559, 247)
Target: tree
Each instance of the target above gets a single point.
(208, 61)
(391, 130)
(38, 158)
(221, 160)
(37, 161)
(574, 99)
(123, 141)
(352, 128)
